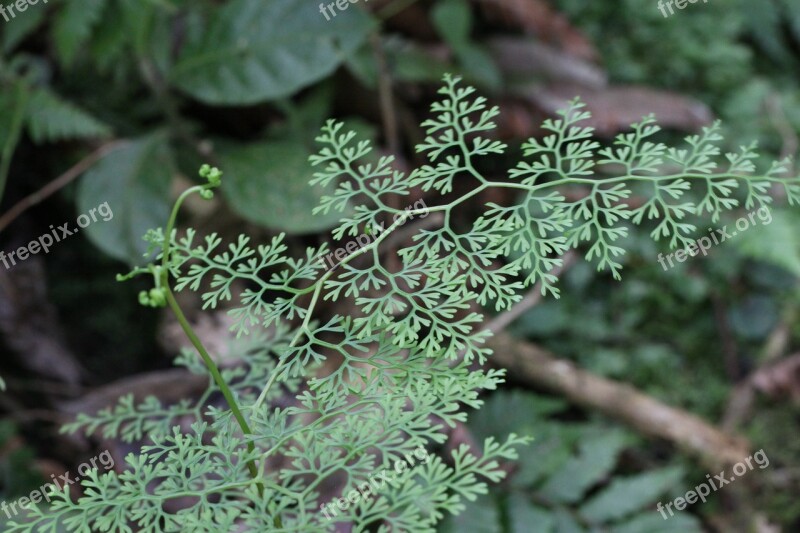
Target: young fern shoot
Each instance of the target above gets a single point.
(404, 358)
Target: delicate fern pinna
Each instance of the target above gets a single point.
(404, 361)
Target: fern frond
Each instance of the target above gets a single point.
(52, 119)
(74, 25)
(372, 387)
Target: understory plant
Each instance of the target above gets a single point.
(398, 367)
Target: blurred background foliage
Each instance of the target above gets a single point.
(160, 86)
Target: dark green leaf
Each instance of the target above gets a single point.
(406, 60)
(653, 522)
(754, 317)
(627, 495)
(267, 183)
(23, 26)
(480, 516)
(595, 461)
(74, 25)
(759, 240)
(523, 516)
(255, 51)
(453, 20)
(566, 523)
(51, 119)
(135, 181)
(479, 67)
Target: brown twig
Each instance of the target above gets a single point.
(729, 351)
(740, 403)
(388, 113)
(534, 366)
(385, 97)
(57, 184)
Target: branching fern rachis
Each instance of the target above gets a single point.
(404, 361)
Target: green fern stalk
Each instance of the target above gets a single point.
(213, 176)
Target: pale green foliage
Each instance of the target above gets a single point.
(240, 262)
(400, 369)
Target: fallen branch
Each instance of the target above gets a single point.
(532, 365)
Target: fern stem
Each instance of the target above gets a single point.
(192, 336)
(214, 370)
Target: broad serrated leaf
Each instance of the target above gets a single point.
(516, 411)
(24, 25)
(629, 494)
(596, 460)
(480, 516)
(9, 102)
(653, 522)
(453, 20)
(135, 180)
(254, 51)
(408, 61)
(52, 119)
(523, 515)
(267, 183)
(776, 226)
(74, 25)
